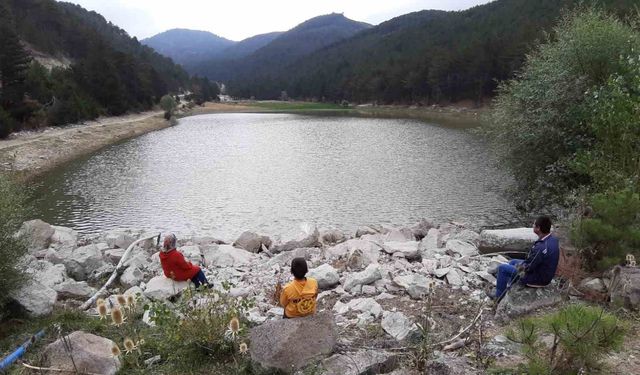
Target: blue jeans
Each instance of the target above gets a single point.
(506, 275)
(200, 279)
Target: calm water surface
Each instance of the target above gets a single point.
(225, 173)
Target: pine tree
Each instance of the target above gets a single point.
(14, 62)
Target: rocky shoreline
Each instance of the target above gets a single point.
(378, 276)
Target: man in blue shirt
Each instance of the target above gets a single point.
(540, 265)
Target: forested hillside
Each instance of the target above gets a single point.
(110, 73)
(285, 49)
(188, 47)
(428, 56)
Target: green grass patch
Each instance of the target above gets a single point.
(297, 106)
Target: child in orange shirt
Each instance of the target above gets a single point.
(299, 296)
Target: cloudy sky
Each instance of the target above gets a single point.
(239, 19)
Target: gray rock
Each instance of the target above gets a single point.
(114, 255)
(368, 306)
(131, 277)
(521, 300)
(191, 253)
(421, 229)
(91, 354)
(625, 287)
(361, 362)
(500, 346)
(399, 235)
(35, 299)
(467, 235)
(74, 289)
(160, 288)
(416, 285)
(252, 242)
(361, 231)
(486, 276)
(229, 256)
(516, 239)
(83, 261)
(326, 276)
(37, 234)
(593, 284)
(271, 342)
(446, 365)
(119, 238)
(64, 237)
(46, 273)
(310, 240)
(406, 249)
(461, 248)
(332, 236)
(398, 326)
(442, 272)
(430, 242)
(454, 278)
(368, 276)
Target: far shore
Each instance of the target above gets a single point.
(27, 155)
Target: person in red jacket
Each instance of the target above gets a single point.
(176, 267)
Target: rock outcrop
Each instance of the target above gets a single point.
(91, 354)
(252, 242)
(290, 344)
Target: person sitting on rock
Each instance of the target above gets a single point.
(176, 267)
(299, 296)
(540, 265)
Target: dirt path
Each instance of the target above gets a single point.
(29, 154)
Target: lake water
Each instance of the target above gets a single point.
(222, 174)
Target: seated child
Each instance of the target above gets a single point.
(299, 296)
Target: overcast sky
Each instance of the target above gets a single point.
(239, 19)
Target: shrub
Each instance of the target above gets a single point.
(168, 105)
(12, 248)
(579, 337)
(206, 324)
(7, 124)
(611, 232)
(540, 119)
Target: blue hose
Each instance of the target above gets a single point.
(11, 358)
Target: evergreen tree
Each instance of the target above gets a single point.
(14, 63)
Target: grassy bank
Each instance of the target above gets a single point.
(449, 116)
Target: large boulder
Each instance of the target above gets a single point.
(310, 240)
(64, 237)
(35, 299)
(521, 300)
(160, 288)
(91, 354)
(228, 256)
(131, 277)
(405, 249)
(192, 253)
(417, 286)
(252, 242)
(515, 239)
(332, 236)
(625, 287)
(119, 238)
(74, 289)
(461, 248)
(398, 326)
(361, 362)
(37, 234)
(359, 253)
(290, 344)
(467, 235)
(422, 228)
(369, 275)
(46, 273)
(326, 276)
(84, 261)
(363, 230)
(399, 235)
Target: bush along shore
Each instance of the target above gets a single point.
(393, 300)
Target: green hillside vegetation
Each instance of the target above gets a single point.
(111, 73)
(427, 56)
(287, 48)
(188, 47)
(568, 129)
